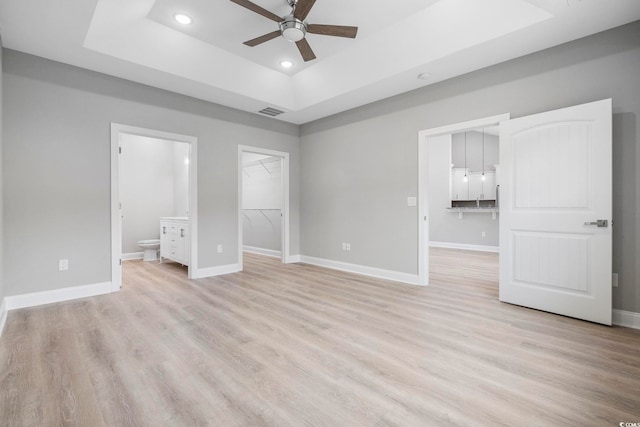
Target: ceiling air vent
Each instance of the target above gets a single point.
(269, 111)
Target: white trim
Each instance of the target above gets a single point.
(285, 236)
(116, 219)
(3, 315)
(132, 255)
(423, 183)
(262, 251)
(396, 276)
(216, 271)
(628, 319)
(56, 295)
(465, 246)
(294, 259)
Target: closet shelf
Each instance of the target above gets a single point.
(262, 212)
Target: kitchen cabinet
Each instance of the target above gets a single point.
(459, 186)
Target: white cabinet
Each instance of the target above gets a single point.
(459, 186)
(482, 190)
(474, 188)
(174, 239)
(489, 186)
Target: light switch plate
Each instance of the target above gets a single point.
(412, 201)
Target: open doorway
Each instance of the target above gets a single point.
(263, 202)
(459, 188)
(153, 186)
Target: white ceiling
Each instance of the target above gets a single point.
(397, 40)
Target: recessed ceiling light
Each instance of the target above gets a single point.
(286, 64)
(182, 18)
(424, 76)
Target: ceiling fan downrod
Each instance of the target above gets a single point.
(292, 28)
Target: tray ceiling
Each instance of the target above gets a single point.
(139, 40)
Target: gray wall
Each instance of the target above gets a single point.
(474, 151)
(262, 204)
(152, 185)
(56, 138)
(358, 167)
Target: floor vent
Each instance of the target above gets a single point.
(269, 111)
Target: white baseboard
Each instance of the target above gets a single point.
(291, 259)
(56, 295)
(262, 251)
(397, 276)
(3, 315)
(132, 255)
(215, 271)
(629, 319)
(465, 246)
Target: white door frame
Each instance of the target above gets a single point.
(285, 234)
(423, 182)
(116, 223)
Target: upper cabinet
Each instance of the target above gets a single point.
(475, 158)
(459, 184)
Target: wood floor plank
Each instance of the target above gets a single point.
(279, 345)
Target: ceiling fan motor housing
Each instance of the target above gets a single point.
(293, 29)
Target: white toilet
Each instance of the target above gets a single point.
(150, 249)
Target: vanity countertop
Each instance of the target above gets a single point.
(175, 218)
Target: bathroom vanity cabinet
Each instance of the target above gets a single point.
(174, 239)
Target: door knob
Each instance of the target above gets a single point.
(598, 223)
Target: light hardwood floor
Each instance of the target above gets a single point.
(298, 345)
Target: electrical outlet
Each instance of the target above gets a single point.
(614, 280)
(344, 246)
(63, 265)
(348, 246)
(484, 234)
(219, 249)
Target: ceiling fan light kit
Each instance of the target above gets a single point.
(294, 28)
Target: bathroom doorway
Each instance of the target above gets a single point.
(263, 202)
(153, 181)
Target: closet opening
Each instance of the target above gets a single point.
(263, 202)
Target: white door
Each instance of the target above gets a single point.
(555, 211)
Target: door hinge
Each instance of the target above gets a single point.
(119, 150)
(120, 261)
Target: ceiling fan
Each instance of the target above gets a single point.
(294, 28)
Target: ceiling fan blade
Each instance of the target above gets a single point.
(262, 39)
(333, 30)
(305, 50)
(303, 7)
(259, 10)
